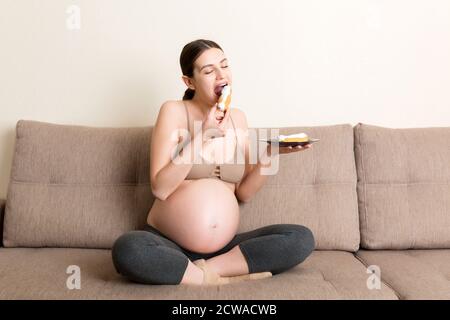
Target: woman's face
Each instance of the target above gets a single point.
(211, 71)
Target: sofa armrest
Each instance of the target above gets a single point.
(2, 214)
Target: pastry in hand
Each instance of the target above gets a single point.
(225, 98)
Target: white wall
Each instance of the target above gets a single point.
(325, 62)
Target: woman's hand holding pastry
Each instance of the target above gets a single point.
(214, 124)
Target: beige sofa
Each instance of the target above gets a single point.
(377, 200)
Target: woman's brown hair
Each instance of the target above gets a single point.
(189, 54)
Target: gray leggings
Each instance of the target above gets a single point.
(147, 256)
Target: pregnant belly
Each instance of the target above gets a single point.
(201, 215)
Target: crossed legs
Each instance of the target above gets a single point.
(149, 257)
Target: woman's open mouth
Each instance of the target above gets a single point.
(218, 89)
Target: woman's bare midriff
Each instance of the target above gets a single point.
(202, 215)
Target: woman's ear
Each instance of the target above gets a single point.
(188, 82)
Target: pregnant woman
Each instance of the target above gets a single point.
(197, 180)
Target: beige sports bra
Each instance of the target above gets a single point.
(230, 172)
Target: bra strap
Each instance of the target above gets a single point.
(187, 115)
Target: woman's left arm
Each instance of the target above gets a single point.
(253, 178)
(251, 183)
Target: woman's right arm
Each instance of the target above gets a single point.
(165, 175)
(167, 171)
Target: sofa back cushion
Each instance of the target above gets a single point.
(315, 187)
(76, 186)
(403, 187)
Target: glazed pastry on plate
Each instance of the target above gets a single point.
(292, 140)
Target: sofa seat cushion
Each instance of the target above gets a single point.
(40, 273)
(413, 274)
